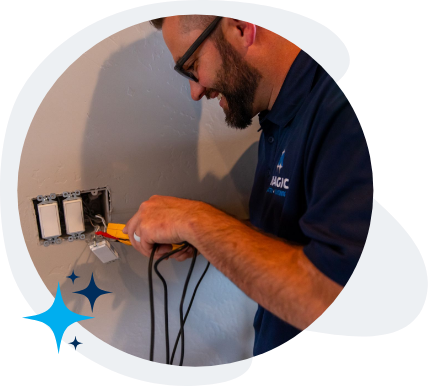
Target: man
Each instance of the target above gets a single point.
(311, 202)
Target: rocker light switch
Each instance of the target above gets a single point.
(73, 215)
(49, 220)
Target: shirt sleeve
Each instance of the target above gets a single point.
(338, 188)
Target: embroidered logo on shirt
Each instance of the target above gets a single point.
(279, 185)
(281, 162)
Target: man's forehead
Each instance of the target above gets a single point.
(177, 41)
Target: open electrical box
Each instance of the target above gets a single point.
(70, 215)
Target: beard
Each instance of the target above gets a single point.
(238, 82)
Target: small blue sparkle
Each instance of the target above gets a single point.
(73, 277)
(75, 343)
(92, 292)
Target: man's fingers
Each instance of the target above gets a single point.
(184, 254)
(146, 250)
(162, 249)
(130, 227)
(179, 256)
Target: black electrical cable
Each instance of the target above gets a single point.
(165, 290)
(188, 310)
(182, 320)
(186, 283)
(152, 307)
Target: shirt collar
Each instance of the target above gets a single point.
(296, 87)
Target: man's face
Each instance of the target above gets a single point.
(220, 69)
(237, 81)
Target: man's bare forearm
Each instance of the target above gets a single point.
(275, 274)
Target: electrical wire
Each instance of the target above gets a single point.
(186, 283)
(165, 289)
(89, 212)
(188, 310)
(96, 227)
(109, 236)
(151, 297)
(152, 307)
(150, 278)
(165, 303)
(104, 221)
(98, 218)
(152, 311)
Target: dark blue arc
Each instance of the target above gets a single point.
(386, 292)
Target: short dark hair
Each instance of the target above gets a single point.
(157, 23)
(187, 22)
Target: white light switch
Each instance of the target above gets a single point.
(73, 215)
(49, 220)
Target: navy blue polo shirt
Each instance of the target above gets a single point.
(313, 184)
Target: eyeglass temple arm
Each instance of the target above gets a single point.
(197, 42)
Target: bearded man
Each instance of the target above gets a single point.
(312, 196)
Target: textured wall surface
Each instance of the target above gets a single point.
(121, 117)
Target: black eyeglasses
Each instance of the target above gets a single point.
(179, 65)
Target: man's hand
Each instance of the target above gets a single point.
(273, 273)
(162, 220)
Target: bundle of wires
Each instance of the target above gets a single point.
(123, 238)
(91, 216)
(170, 358)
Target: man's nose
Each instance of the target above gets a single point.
(196, 90)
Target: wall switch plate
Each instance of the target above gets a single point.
(74, 210)
(74, 217)
(49, 220)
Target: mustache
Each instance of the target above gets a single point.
(210, 91)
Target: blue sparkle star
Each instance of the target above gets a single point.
(73, 277)
(58, 318)
(75, 343)
(92, 292)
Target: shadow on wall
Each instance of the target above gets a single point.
(141, 136)
(141, 139)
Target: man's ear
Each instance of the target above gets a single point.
(240, 32)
